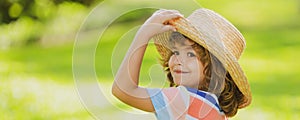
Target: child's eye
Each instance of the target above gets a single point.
(190, 54)
(175, 53)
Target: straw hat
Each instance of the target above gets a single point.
(218, 36)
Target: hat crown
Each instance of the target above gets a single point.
(214, 27)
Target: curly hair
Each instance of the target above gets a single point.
(216, 79)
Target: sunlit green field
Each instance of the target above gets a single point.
(36, 81)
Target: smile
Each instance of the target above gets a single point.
(180, 72)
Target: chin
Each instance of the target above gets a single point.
(179, 82)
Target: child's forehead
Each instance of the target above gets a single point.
(177, 37)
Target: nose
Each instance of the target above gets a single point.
(178, 60)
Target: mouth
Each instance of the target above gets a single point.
(180, 72)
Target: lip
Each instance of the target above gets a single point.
(180, 72)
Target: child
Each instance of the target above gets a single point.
(199, 54)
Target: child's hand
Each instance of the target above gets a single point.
(156, 23)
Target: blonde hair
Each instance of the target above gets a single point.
(230, 97)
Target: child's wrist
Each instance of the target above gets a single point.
(144, 33)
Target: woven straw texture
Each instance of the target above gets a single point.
(218, 36)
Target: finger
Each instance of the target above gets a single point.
(168, 17)
(167, 28)
(163, 16)
(165, 12)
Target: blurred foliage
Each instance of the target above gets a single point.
(11, 10)
(47, 22)
(36, 45)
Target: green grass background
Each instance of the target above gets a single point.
(36, 81)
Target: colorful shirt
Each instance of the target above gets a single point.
(181, 103)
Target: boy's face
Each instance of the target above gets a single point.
(185, 66)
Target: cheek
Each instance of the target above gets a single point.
(201, 71)
(197, 67)
(171, 62)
